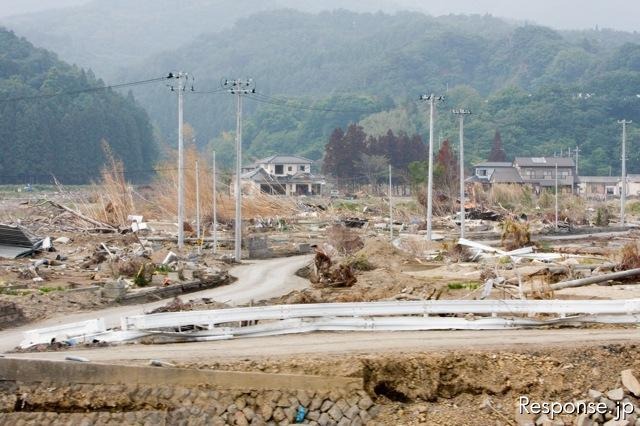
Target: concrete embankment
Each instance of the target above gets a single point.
(50, 392)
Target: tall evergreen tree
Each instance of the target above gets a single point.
(61, 135)
(497, 152)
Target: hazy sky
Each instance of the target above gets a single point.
(16, 7)
(565, 14)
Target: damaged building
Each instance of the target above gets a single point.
(282, 175)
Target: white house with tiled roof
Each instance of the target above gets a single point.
(284, 174)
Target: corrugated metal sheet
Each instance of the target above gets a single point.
(15, 242)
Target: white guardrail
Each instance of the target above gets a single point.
(63, 332)
(230, 323)
(375, 309)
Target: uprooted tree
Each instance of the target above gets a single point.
(325, 273)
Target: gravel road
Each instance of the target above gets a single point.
(257, 280)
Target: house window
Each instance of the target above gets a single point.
(482, 172)
(279, 169)
(290, 168)
(302, 168)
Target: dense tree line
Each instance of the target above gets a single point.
(354, 155)
(45, 136)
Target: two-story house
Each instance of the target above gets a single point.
(538, 172)
(284, 175)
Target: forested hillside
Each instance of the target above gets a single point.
(544, 90)
(43, 135)
(112, 36)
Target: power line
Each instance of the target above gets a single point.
(209, 92)
(87, 90)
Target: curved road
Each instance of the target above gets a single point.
(257, 280)
(270, 278)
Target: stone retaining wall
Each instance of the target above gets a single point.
(206, 397)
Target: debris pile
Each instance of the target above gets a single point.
(325, 273)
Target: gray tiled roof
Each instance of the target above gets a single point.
(543, 161)
(599, 179)
(506, 175)
(283, 159)
(494, 164)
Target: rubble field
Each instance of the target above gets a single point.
(93, 250)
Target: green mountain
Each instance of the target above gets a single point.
(529, 82)
(545, 90)
(45, 136)
(112, 36)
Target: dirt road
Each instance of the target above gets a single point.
(257, 280)
(352, 343)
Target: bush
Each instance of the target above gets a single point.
(515, 234)
(459, 285)
(602, 216)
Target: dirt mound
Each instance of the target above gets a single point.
(381, 253)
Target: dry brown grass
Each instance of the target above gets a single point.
(113, 199)
(510, 196)
(113, 196)
(255, 205)
(629, 256)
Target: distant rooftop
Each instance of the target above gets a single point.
(494, 164)
(506, 175)
(599, 179)
(283, 159)
(544, 161)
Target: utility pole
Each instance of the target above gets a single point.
(431, 98)
(390, 207)
(197, 201)
(239, 87)
(577, 177)
(461, 113)
(623, 192)
(556, 195)
(181, 77)
(215, 213)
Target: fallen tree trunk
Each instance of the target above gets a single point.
(99, 224)
(595, 279)
(572, 268)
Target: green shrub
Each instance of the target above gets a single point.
(459, 285)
